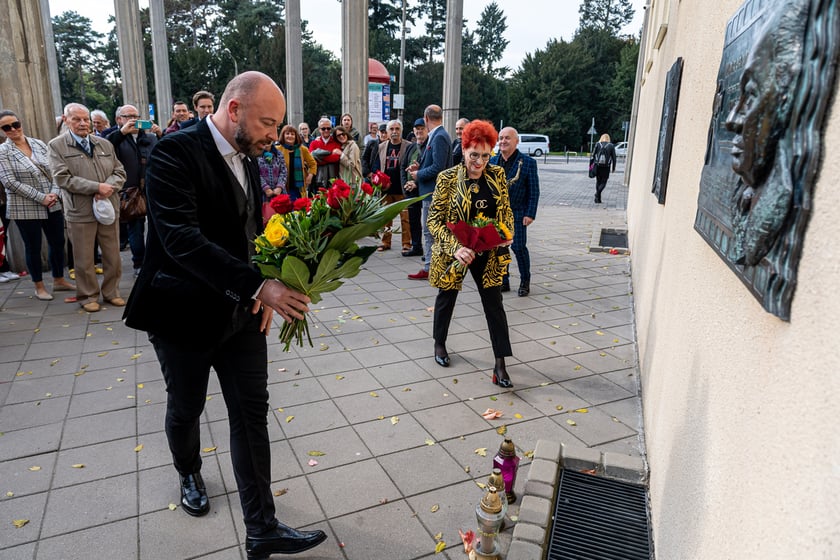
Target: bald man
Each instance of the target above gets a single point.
(524, 190)
(205, 305)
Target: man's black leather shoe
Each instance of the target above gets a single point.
(282, 540)
(193, 495)
(524, 289)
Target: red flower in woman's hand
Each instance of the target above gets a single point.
(367, 188)
(282, 204)
(339, 191)
(303, 203)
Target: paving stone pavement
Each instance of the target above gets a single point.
(80, 394)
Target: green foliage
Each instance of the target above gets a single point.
(434, 12)
(489, 39)
(606, 15)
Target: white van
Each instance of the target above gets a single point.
(532, 144)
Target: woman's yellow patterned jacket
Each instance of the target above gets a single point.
(451, 202)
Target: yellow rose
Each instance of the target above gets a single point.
(276, 232)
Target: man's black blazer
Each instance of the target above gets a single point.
(196, 270)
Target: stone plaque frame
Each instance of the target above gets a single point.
(764, 147)
(666, 130)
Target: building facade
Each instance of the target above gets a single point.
(740, 375)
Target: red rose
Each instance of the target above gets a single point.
(339, 191)
(281, 204)
(303, 204)
(366, 188)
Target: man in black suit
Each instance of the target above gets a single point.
(434, 158)
(205, 305)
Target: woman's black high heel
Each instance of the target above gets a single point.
(500, 375)
(441, 356)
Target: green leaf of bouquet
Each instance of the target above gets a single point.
(329, 260)
(345, 237)
(269, 271)
(295, 274)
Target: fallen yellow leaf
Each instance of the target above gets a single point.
(395, 420)
(339, 377)
(529, 454)
(209, 449)
(577, 368)
(518, 416)
(545, 384)
(102, 354)
(441, 546)
(140, 385)
(438, 536)
(434, 508)
(35, 468)
(430, 442)
(52, 363)
(316, 453)
(289, 419)
(139, 448)
(173, 507)
(559, 407)
(582, 410)
(501, 430)
(571, 422)
(10, 494)
(599, 333)
(78, 466)
(373, 394)
(18, 523)
(481, 485)
(281, 491)
(467, 469)
(482, 451)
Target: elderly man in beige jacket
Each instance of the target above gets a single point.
(87, 169)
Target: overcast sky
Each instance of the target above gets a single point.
(531, 23)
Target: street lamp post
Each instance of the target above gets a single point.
(235, 66)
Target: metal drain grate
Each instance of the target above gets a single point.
(599, 519)
(613, 238)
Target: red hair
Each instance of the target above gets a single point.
(479, 132)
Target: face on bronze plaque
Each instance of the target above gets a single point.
(765, 140)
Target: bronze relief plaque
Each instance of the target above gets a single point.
(774, 86)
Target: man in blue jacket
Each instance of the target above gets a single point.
(435, 157)
(524, 191)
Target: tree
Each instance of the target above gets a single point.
(435, 13)
(77, 47)
(606, 15)
(489, 38)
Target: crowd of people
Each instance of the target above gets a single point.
(203, 179)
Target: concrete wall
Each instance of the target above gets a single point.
(741, 408)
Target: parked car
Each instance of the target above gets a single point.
(532, 144)
(621, 149)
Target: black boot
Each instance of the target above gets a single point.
(524, 288)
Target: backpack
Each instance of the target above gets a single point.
(602, 159)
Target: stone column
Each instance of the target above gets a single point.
(354, 61)
(132, 60)
(52, 62)
(25, 87)
(452, 65)
(160, 59)
(294, 64)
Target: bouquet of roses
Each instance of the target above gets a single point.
(480, 234)
(380, 180)
(310, 244)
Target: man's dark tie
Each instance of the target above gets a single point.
(85, 145)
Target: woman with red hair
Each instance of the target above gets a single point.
(462, 193)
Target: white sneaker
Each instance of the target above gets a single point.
(10, 275)
(3, 278)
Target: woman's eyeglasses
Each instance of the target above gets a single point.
(10, 126)
(475, 156)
